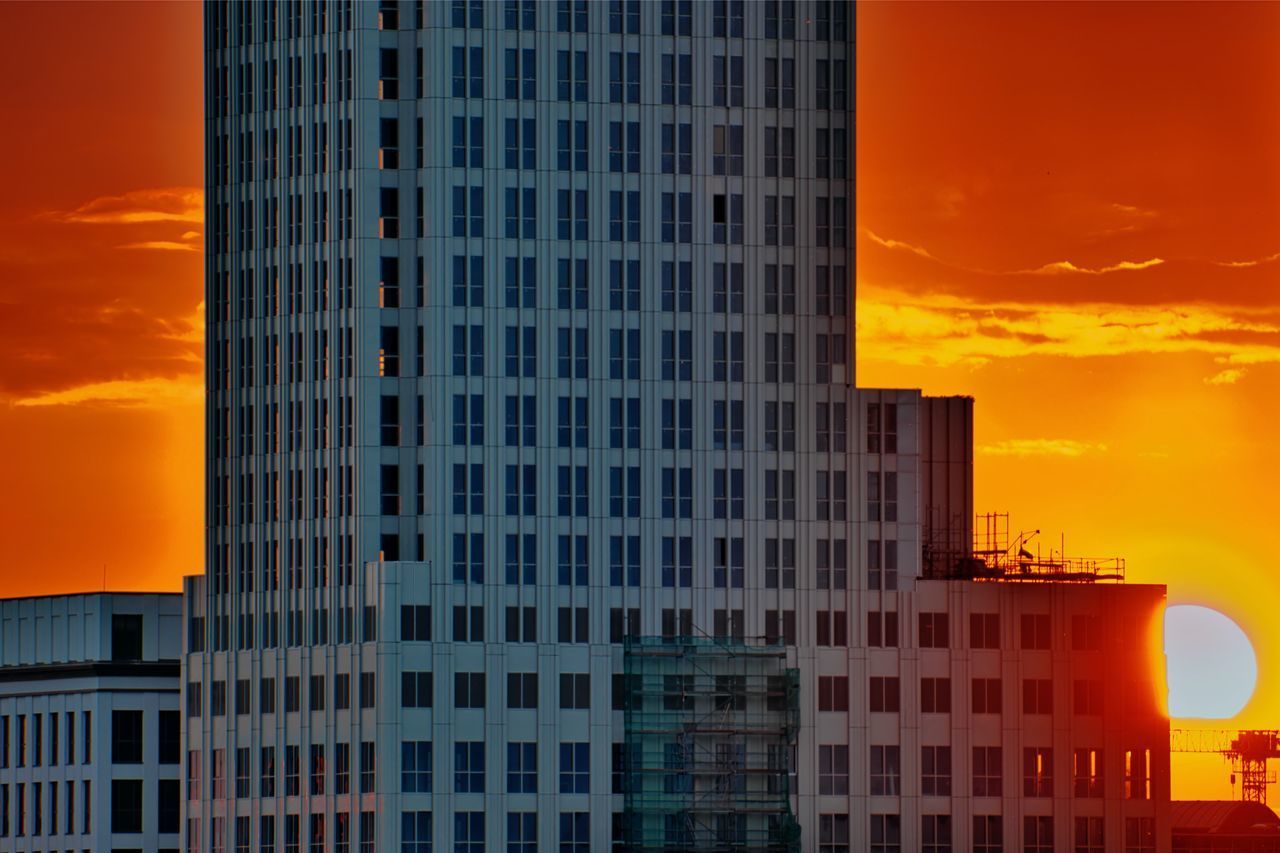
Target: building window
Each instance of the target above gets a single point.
(415, 623)
(1086, 772)
(677, 217)
(934, 631)
(677, 151)
(126, 805)
(833, 770)
(126, 636)
(522, 768)
(935, 833)
(1037, 696)
(468, 767)
(935, 771)
(1087, 697)
(416, 766)
(986, 693)
(624, 77)
(1035, 631)
(882, 629)
(779, 220)
(417, 689)
(126, 737)
(779, 152)
(1139, 835)
(415, 832)
(1137, 774)
(575, 690)
(1037, 834)
(575, 768)
(1037, 771)
(984, 630)
(571, 75)
(886, 833)
(833, 693)
(368, 768)
(987, 771)
(883, 694)
(832, 628)
(935, 695)
(780, 83)
(988, 834)
(727, 81)
(468, 689)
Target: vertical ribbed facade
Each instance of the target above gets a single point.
(530, 329)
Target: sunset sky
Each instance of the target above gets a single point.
(1070, 212)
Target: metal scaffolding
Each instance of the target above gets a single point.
(710, 735)
(995, 556)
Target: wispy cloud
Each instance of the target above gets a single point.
(165, 204)
(1230, 376)
(162, 245)
(937, 329)
(1053, 268)
(1068, 267)
(153, 393)
(1238, 264)
(898, 244)
(1041, 447)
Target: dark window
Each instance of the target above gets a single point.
(167, 810)
(126, 738)
(170, 732)
(126, 805)
(126, 636)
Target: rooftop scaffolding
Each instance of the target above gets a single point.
(993, 557)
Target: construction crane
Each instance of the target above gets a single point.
(1247, 750)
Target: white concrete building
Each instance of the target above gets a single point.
(530, 331)
(90, 727)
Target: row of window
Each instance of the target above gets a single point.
(238, 26)
(49, 808)
(677, 290)
(986, 695)
(417, 830)
(417, 771)
(885, 834)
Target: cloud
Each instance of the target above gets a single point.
(1068, 267)
(153, 393)
(166, 204)
(1133, 210)
(1238, 264)
(1230, 376)
(1053, 268)
(1041, 447)
(162, 245)
(898, 244)
(938, 329)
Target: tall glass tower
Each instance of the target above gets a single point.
(532, 436)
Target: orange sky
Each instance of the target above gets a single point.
(1070, 212)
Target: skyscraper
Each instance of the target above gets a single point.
(530, 366)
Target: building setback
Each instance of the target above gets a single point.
(90, 725)
(530, 382)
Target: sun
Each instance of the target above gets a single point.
(1212, 669)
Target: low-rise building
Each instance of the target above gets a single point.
(89, 722)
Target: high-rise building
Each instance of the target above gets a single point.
(90, 728)
(542, 509)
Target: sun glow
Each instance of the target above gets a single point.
(1211, 665)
